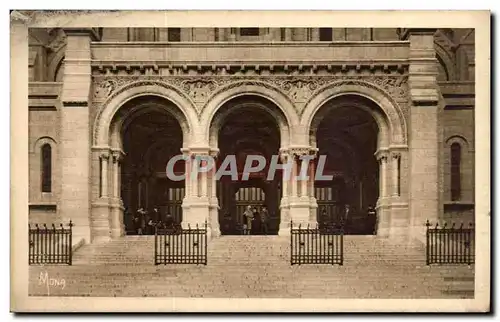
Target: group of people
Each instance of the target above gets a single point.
(145, 223)
(255, 223)
(349, 219)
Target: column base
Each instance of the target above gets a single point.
(213, 222)
(195, 213)
(393, 220)
(116, 219)
(313, 209)
(300, 212)
(213, 233)
(284, 232)
(100, 229)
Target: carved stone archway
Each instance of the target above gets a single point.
(116, 92)
(391, 152)
(284, 111)
(107, 151)
(389, 117)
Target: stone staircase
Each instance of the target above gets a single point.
(127, 250)
(255, 266)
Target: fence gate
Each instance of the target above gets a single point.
(450, 245)
(317, 246)
(50, 245)
(175, 245)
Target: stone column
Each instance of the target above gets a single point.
(399, 226)
(424, 139)
(293, 178)
(304, 182)
(204, 181)
(383, 176)
(196, 204)
(104, 174)
(396, 157)
(284, 227)
(187, 172)
(312, 198)
(116, 218)
(383, 212)
(101, 203)
(195, 177)
(214, 203)
(75, 129)
(300, 206)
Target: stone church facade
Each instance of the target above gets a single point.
(393, 109)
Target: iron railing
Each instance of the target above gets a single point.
(176, 245)
(450, 245)
(323, 245)
(50, 245)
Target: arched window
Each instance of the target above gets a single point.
(46, 168)
(455, 156)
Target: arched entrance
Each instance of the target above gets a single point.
(243, 126)
(149, 131)
(348, 135)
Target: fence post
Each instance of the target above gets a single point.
(291, 242)
(156, 245)
(205, 255)
(427, 244)
(70, 243)
(30, 244)
(469, 235)
(342, 245)
(53, 252)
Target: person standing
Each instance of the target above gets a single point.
(156, 215)
(347, 214)
(248, 217)
(256, 227)
(264, 219)
(140, 221)
(372, 219)
(169, 221)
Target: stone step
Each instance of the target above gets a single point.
(269, 281)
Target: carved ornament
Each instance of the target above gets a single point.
(202, 89)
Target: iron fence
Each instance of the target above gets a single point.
(50, 245)
(176, 245)
(450, 245)
(324, 245)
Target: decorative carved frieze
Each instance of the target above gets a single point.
(299, 89)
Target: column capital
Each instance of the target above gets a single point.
(298, 151)
(381, 155)
(284, 155)
(198, 151)
(395, 154)
(117, 155)
(214, 152)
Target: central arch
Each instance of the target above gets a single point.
(281, 107)
(248, 125)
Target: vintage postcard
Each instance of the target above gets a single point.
(260, 161)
